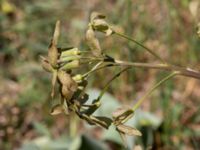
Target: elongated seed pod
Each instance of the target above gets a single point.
(93, 42)
(128, 130)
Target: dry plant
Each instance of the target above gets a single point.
(61, 62)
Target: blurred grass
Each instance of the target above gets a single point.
(168, 27)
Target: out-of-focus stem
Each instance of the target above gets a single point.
(182, 71)
(138, 43)
(139, 102)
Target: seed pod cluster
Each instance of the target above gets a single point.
(61, 63)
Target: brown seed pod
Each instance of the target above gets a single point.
(128, 130)
(96, 15)
(53, 51)
(121, 115)
(46, 66)
(67, 81)
(93, 42)
(66, 93)
(100, 25)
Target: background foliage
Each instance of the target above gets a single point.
(169, 119)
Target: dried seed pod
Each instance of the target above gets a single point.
(93, 42)
(46, 66)
(53, 54)
(57, 109)
(122, 115)
(100, 25)
(53, 51)
(96, 15)
(67, 81)
(71, 65)
(128, 130)
(56, 33)
(66, 92)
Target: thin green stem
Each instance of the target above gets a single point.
(139, 102)
(138, 43)
(108, 83)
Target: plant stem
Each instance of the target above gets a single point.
(138, 43)
(139, 102)
(109, 82)
(183, 71)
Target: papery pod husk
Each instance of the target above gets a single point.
(96, 15)
(56, 33)
(128, 130)
(53, 50)
(109, 31)
(46, 66)
(65, 107)
(93, 42)
(91, 109)
(57, 109)
(71, 65)
(66, 80)
(104, 122)
(100, 25)
(53, 83)
(53, 54)
(70, 52)
(86, 118)
(66, 92)
(122, 115)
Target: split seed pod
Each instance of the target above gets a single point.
(96, 15)
(121, 115)
(93, 42)
(128, 130)
(46, 66)
(66, 80)
(53, 51)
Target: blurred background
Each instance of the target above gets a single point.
(168, 119)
